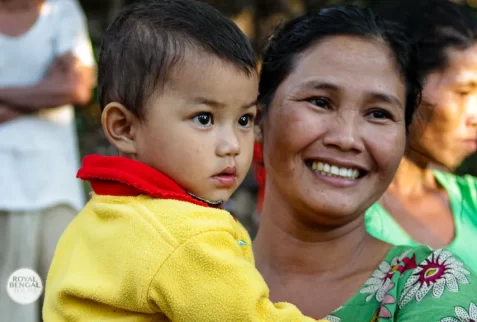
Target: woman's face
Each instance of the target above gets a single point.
(444, 128)
(335, 132)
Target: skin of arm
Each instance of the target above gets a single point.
(7, 113)
(67, 82)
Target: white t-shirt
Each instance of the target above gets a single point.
(39, 154)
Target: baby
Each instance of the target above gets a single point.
(178, 89)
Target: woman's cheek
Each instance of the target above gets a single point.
(300, 126)
(387, 149)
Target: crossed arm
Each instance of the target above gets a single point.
(67, 82)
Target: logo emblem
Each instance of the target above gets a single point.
(24, 286)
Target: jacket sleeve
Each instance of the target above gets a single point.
(208, 279)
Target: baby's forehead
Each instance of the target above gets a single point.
(198, 62)
(217, 88)
(209, 74)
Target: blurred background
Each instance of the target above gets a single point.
(39, 194)
(257, 19)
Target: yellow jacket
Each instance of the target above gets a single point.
(140, 258)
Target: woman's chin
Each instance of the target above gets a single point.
(334, 214)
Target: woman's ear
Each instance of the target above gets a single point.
(120, 126)
(258, 133)
(258, 129)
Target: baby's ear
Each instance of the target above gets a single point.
(120, 126)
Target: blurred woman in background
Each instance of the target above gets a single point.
(46, 67)
(424, 205)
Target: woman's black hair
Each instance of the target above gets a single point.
(434, 26)
(296, 36)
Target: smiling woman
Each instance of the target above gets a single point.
(344, 106)
(338, 90)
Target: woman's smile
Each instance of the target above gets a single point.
(337, 173)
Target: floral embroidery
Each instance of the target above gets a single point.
(439, 271)
(384, 312)
(375, 316)
(378, 283)
(463, 315)
(332, 318)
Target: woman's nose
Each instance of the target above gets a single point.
(343, 133)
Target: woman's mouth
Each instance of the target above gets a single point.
(337, 175)
(471, 145)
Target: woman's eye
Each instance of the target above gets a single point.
(246, 120)
(204, 119)
(463, 93)
(380, 114)
(320, 102)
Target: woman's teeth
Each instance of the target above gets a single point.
(335, 171)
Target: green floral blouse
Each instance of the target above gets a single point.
(414, 284)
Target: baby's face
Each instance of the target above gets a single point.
(199, 129)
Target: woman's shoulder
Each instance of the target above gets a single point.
(414, 283)
(426, 266)
(416, 270)
(419, 252)
(432, 282)
(463, 186)
(405, 249)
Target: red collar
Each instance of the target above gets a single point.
(120, 176)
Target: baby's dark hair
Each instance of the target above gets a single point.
(150, 38)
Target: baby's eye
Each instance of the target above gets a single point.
(246, 120)
(204, 119)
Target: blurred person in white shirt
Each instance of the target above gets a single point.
(46, 67)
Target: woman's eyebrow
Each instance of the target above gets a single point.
(469, 84)
(319, 84)
(387, 98)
